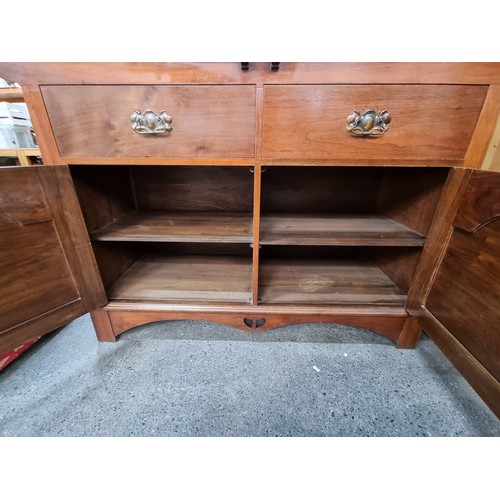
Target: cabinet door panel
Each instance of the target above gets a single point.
(34, 274)
(465, 295)
(39, 289)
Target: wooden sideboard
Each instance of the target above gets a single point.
(257, 198)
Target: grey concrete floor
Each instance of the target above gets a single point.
(188, 378)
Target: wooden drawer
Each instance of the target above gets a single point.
(431, 124)
(208, 121)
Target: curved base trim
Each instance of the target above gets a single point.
(388, 325)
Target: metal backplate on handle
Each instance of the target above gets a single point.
(368, 123)
(151, 123)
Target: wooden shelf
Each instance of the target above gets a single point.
(326, 281)
(201, 227)
(341, 230)
(186, 278)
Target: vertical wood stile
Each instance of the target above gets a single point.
(259, 96)
(492, 158)
(41, 124)
(437, 240)
(484, 131)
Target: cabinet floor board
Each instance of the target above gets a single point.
(190, 278)
(327, 281)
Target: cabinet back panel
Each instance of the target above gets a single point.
(320, 189)
(194, 188)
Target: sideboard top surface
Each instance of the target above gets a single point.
(258, 73)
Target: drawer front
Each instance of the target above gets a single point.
(214, 121)
(430, 124)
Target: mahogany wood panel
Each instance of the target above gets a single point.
(207, 227)
(320, 189)
(41, 124)
(481, 380)
(102, 325)
(40, 325)
(257, 190)
(216, 73)
(344, 230)
(387, 322)
(326, 281)
(355, 162)
(398, 264)
(34, 274)
(437, 238)
(68, 219)
(411, 196)
(492, 156)
(22, 199)
(308, 122)
(200, 189)
(481, 201)
(208, 121)
(409, 334)
(169, 277)
(115, 259)
(157, 161)
(485, 129)
(465, 295)
(105, 194)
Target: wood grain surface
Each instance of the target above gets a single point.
(481, 201)
(22, 199)
(207, 227)
(465, 295)
(181, 278)
(481, 380)
(326, 281)
(343, 230)
(34, 274)
(226, 73)
(208, 121)
(429, 122)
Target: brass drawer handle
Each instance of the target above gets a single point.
(368, 123)
(150, 123)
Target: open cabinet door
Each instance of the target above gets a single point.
(462, 310)
(48, 274)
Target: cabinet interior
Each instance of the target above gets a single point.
(326, 235)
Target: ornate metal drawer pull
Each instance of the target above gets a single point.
(150, 123)
(368, 123)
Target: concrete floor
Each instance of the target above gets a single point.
(200, 379)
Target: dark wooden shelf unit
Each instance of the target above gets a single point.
(166, 204)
